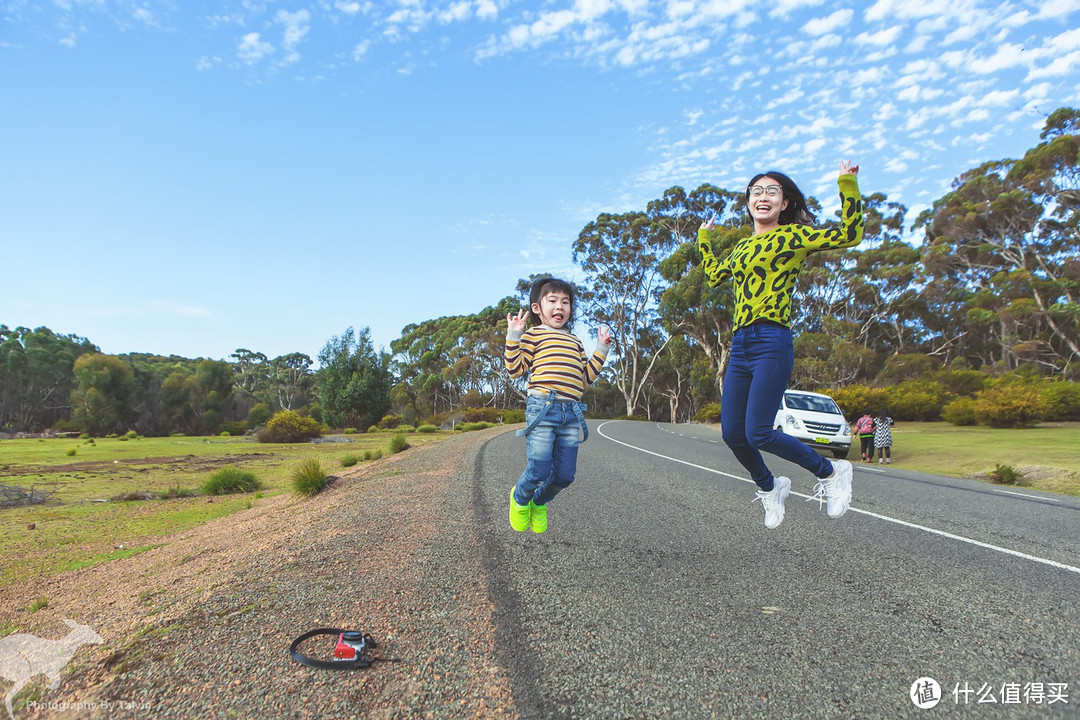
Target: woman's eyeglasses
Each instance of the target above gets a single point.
(770, 190)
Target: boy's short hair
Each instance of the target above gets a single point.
(546, 284)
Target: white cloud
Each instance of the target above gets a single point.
(829, 24)
(881, 38)
(297, 25)
(1006, 57)
(692, 116)
(252, 49)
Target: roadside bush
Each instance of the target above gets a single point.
(907, 366)
(854, 400)
(1007, 475)
(1062, 400)
(175, 491)
(917, 400)
(308, 478)
(398, 443)
(709, 413)
(513, 416)
(1013, 405)
(258, 415)
(235, 428)
(289, 426)
(962, 383)
(389, 422)
(427, 429)
(349, 460)
(960, 411)
(471, 426)
(231, 480)
(484, 414)
(373, 429)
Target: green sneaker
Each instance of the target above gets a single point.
(519, 514)
(538, 518)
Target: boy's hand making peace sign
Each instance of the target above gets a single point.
(516, 322)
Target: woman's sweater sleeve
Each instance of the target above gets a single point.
(715, 270)
(850, 232)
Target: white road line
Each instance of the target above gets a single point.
(1025, 495)
(886, 518)
(866, 469)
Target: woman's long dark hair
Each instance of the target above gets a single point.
(542, 286)
(796, 212)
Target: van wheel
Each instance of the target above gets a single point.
(840, 454)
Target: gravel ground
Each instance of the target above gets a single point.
(201, 626)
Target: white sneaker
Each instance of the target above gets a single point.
(773, 501)
(835, 491)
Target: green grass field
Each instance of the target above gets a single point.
(1048, 454)
(88, 518)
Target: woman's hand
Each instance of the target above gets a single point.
(603, 335)
(846, 168)
(516, 322)
(709, 224)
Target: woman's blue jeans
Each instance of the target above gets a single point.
(551, 450)
(758, 371)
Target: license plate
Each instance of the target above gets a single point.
(821, 440)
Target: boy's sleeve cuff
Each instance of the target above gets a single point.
(514, 336)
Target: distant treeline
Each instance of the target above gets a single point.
(974, 304)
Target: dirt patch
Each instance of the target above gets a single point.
(200, 626)
(188, 462)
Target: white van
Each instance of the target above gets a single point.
(814, 419)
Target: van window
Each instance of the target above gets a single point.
(811, 403)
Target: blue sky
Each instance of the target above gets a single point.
(193, 177)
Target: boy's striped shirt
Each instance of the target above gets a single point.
(554, 359)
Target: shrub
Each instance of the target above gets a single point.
(854, 400)
(960, 411)
(65, 425)
(289, 426)
(964, 383)
(231, 480)
(398, 443)
(373, 429)
(121, 438)
(1007, 475)
(131, 435)
(1063, 400)
(513, 416)
(258, 415)
(469, 427)
(389, 422)
(485, 414)
(709, 413)
(71, 452)
(349, 431)
(175, 491)
(916, 400)
(376, 455)
(235, 428)
(1014, 405)
(308, 478)
(427, 429)
(38, 604)
(349, 460)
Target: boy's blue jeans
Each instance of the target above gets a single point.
(758, 371)
(551, 449)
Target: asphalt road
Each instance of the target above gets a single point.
(658, 592)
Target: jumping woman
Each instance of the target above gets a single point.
(763, 269)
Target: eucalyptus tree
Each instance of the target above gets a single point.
(1012, 225)
(689, 306)
(620, 255)
(439, 362)
(354, 380)
(36, 376)
(103, 384)
(290, 380)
